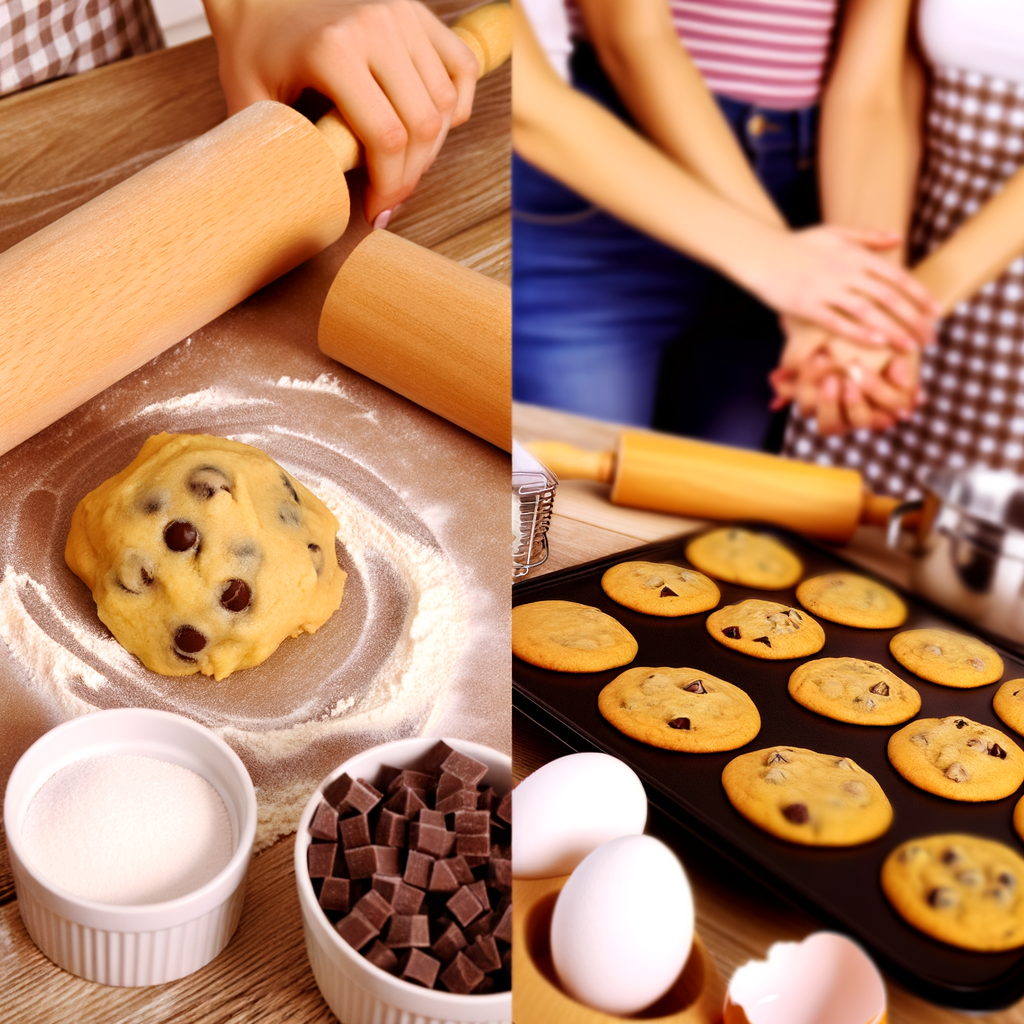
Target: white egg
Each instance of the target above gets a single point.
(622, 927)
(570, 807)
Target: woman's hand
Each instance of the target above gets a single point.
(828, 276)
(398, 76)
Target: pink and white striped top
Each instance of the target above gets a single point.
(769, 52)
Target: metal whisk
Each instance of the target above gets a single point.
(533, 495)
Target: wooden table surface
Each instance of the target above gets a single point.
(61, 144)
(737, 918)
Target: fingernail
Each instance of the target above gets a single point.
(381, 220)
(855, 373)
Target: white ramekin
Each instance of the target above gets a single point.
(356, 990)
(147, 944)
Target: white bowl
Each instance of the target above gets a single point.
(131, 945)
(356, 990)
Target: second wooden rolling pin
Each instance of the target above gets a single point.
(710, 481)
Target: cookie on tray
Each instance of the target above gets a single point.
(1008, 704)
(569, 637)
(680, 709)
(806, 797)
(957, 758)
(657, 588)
(960, 889)
(741, 556)
(766, 629)
(947, 658)
(853, 690)
(852, 600)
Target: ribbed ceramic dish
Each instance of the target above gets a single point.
(133, 945)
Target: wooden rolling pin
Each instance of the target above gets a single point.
(710, 481)
(98, 293)
(428, 328)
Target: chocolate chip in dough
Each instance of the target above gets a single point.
(695, 687)
(762, 640)
(180, 535)
(288, 486)
(152, 505)
(796, 813)
(679, 723)
(943, 899)
(952, 856)
(959, 723)
(932, 649)
(956, 772)
(317, 555)
(777, 757)
(1007, 880)
(997, 751)
(665, 592)
(794, 614)
(189, 640)
(289, 515)
(206, 481)
(236, 596)
(732, 632)
(976, 663)
(882, 689)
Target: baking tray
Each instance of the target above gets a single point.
(840, 885)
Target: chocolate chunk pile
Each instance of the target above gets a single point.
(415, 871)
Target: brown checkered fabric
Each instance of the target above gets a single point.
(973, 379)
(44, 39)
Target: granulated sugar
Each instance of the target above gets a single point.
(125, 829)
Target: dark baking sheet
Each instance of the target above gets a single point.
(840, 885)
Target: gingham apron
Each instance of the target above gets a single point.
(44, 39)
(973, 379)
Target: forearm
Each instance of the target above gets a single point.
(667, 96)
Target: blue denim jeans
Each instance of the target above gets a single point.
(599, 307)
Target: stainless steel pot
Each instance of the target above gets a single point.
(969, 557)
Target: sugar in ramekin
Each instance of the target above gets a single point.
(132, 944)
(354, 988)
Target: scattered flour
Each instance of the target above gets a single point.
(209, 398)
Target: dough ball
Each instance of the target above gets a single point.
(203, 554)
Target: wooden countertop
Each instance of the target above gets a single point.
(63, 143)
(737, 918)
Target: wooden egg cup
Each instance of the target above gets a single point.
(696, 998)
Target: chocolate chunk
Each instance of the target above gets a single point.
(461, 975)
(335, 894)
(434, 758)
(449, 942)
(325, 822)
(375, 908)
(428, 817)
(951, 856)
(204, 483)
(367, 861)
(348, 794)
(442, 878)
(390, 829)
(421, 968)
(356, 930)
(956, 772)
(503, 929)
(407, 930)
(679, 723)
(762, 640)
(320, 859)
(505, 808)
(408, 899)
(473, 822)
(180, 536)
(794, 614)
(464, 767)
(732, 632)
(460, 800)
(355, 831)
(236, 596)
(976, 663)
(665, 592)
(959, 723)
(317, 557)
(465, 906)
(1006, 879)
(695, 687)
(379, 955)
(417, 869)
(484, 953)
(942, 899)
(487, 800)
(473, 845)
(418, 781)
(882, 689)
(406, 801)
(448, 784)
(499, 874)
(288, 487)
(796, 813)
(997, 751)
(438, 842)
(189, 640)
(777, 757)
(387, 886)
(460, 869)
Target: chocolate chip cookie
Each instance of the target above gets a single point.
(947, 658)
(569, 637)
(764, 629)
(203, 555)
(680, 709)
(806, 797)
(1008, 704)
(959, 889)
(736, 555)
(957, 758)
(853, 690)
(852, 600)
(657, 588)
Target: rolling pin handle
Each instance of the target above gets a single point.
(487, 31)
(568, 462)
(897, 519)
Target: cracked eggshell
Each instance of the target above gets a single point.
(570, 807)
(622, 927)
(826, 979)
